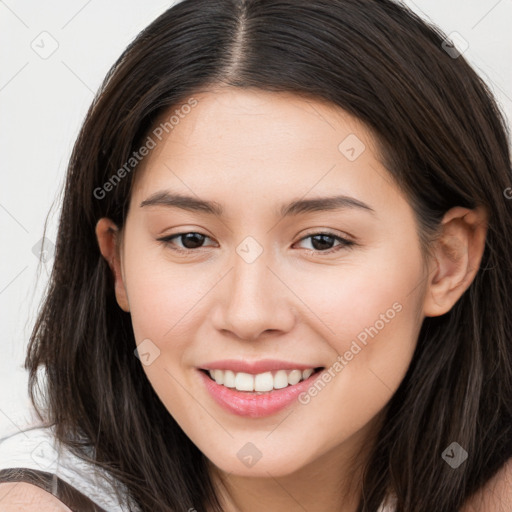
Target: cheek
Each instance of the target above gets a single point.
(369, 314)
(374, 294)
(374, 355)
(163, 295)
(163, 300)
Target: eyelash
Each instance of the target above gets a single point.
(344, 242)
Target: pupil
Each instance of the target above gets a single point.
(189, 238)
(323, 244)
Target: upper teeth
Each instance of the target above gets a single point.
(260, 382)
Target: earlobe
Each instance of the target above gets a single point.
(107, 234)
(456, 258)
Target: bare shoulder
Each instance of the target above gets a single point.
(21, 496)
(496, 495)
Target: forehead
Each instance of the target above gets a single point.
(252, 118)
(260, 143)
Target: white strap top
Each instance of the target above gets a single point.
(36, 448)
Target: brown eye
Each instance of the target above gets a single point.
(324, 242)
(189, 241)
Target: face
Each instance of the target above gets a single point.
(272, 280)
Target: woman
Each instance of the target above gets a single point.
(370, 370)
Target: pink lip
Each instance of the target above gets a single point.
(255, 367)
(247, 404)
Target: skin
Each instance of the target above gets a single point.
(252, 151)
(21, 496)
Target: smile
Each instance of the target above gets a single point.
(256, 389)
(261, 382)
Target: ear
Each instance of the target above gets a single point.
(457, 254)
(108, 236)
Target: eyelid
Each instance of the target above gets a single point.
(326, 231)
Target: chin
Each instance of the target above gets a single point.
(249, 461)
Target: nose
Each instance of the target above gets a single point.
(253, 299)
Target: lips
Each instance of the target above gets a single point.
(259, 388)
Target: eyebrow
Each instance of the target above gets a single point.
(297, 207)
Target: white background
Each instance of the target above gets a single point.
(43, 102)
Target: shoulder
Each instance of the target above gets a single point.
(495, 495)
(35, 457)
(21, 496)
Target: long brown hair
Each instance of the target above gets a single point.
(444, 141)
